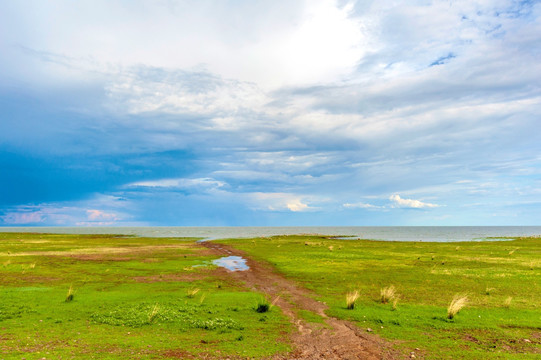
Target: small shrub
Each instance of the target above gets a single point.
(387, 294)
(457, 304)
(69, 296)
(351, 298)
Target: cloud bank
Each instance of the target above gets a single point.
(270, 113)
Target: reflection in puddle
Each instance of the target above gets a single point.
(232, 263)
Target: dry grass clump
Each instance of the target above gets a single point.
(192, 292)
(387, 294)
(507, 302)
(395, 302)
(457, 304)
(351, 298)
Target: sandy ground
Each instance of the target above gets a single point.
(336, 339)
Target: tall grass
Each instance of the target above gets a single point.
(387, 294)
(457, 304)
(69, 295)
(351, 298)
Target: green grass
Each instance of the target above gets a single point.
(136, 298)
(128, 301)
(426, 276)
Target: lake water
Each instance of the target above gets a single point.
(390, 233)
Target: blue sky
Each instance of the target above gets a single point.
(269, 113)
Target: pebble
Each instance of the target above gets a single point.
(369, 330)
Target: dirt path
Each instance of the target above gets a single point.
(339, 339)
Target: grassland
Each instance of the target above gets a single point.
(159, 298)
(501, 279)
(133, 298)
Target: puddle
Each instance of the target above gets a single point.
(232, 263)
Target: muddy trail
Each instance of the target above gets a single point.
(336, 339)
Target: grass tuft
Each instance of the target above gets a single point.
(152, 315)
(264, 306)
(457, 304)
(395, 302)
(507, 302)
(351, 298)
(69, 296)
(192, 292)
(387, 294)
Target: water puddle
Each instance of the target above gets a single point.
(232, 263)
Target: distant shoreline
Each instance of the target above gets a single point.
(386, 233)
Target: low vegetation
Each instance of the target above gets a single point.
(144, 298)
(430, 274)
(127, 298)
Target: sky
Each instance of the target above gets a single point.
(270, 113)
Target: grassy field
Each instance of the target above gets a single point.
(115, 297)
(132, 298)
(501, 279)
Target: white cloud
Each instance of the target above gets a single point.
(361, 205)
(273, 43)
(101, 210)
(100, 215)
(180, 183)
(278, 202)
(410, 203)
(139, 89)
